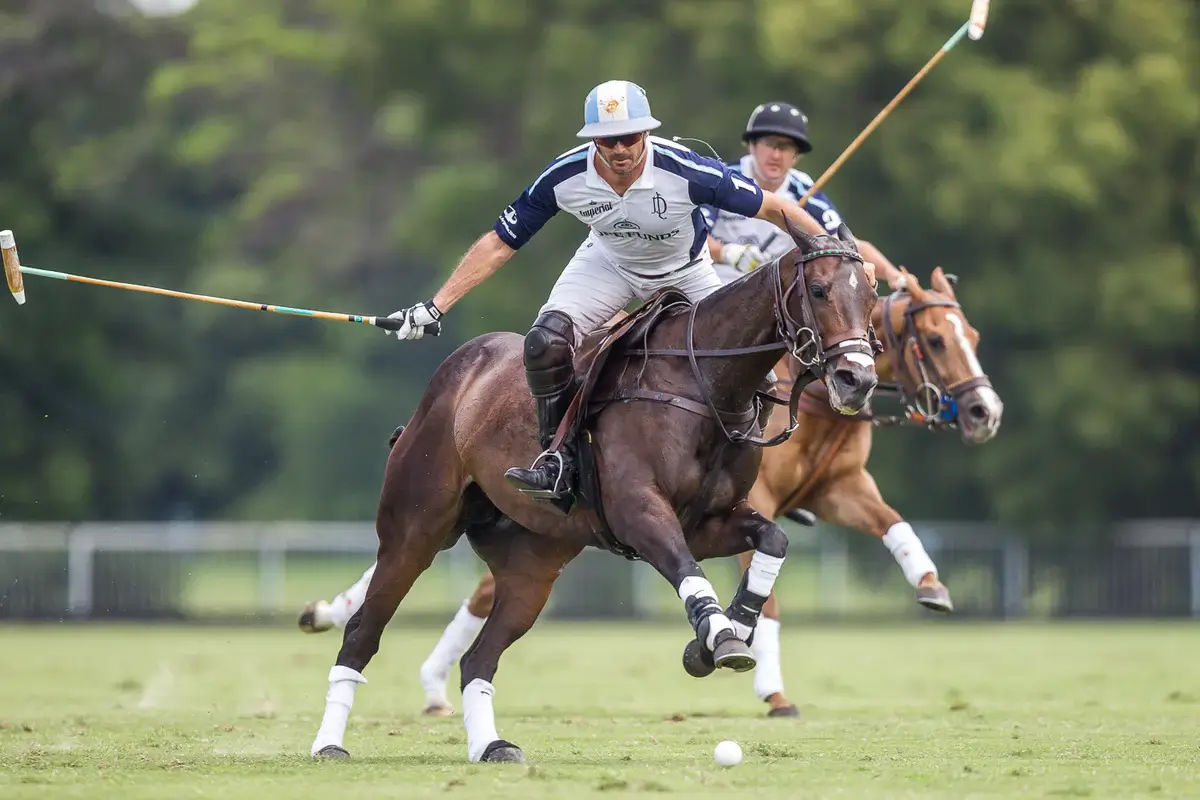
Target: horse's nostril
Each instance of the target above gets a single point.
(978, 411)
(847, 377)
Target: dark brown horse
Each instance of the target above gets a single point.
(671, 435)
(929, 363)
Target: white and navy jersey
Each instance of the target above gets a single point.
(657, 226)
(735, 229)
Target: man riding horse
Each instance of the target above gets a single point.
(672, 441)
(776, 137)
(642, 197)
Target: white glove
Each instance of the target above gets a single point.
(416, 320)
(742, 257)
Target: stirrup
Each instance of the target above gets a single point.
(556, 491)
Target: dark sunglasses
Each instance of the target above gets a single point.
(609, 142)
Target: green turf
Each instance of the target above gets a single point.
(931, 711)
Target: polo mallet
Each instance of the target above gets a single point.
(973, 28)
(12, 267)
(13, 270)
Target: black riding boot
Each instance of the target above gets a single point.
(550, 372)
(549, 477)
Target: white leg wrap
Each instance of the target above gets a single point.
(909, 553)
(338, 702)
(695, 586)
(478, 717)
(764, 569)
(346, 604)
(768, 675)
(457, 637)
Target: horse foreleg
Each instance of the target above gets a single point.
(753, 610)
(854, 500)
(524, 567)
(646, 522)
(454, 641)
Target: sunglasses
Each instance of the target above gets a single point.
(609, 142)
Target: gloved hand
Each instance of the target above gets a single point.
(416, 320)
(742, 257)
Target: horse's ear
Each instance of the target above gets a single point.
(912, 286)
(843, 233)
(943, 283)
(803, 239)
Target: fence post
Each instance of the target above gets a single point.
(81, 549)
(270, 575)
(833, 559)
(1194, 559)
(1014, 573)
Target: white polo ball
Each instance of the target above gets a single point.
(728, 754)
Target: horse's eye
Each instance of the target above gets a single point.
(819, 292)
(937, 343)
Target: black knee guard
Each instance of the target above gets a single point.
(549, 354)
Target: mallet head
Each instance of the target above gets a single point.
(979, 15)
(12, 266)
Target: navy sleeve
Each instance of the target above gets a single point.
(517, 224)
(710, 182)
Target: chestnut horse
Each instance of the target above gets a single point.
(670, 427)
(930, 362)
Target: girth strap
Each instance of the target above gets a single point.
(728, 417)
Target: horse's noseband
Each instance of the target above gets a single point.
(942, 409)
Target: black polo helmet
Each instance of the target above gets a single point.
(778, 119)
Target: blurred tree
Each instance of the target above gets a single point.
(344, 153)
(91, 378)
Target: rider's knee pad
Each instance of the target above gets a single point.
(549, 350)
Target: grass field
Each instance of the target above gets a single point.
(930, 711)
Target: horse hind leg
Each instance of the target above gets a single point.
(416, 515)
(855, 502)
(524, 566)
(478, 516)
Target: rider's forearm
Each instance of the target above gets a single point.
(775, 210)
(714, 248)
(479, 263)
(884, 268)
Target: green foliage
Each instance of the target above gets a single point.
(342, 154)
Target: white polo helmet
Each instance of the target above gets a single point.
(616, 108)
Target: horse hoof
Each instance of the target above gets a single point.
(935, 598)
(331, 752)
(802, 516)
(784, 711)
(438, 711)
(733, 654)
(697, 661)
(502, 752)
(314, 618)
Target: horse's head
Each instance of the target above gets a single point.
(936, 361)
(825, 314)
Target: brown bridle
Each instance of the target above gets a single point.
(914, 390)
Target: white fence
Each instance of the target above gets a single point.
(265, 571)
